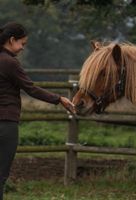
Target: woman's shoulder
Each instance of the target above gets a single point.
(8, 64)
(7, 59)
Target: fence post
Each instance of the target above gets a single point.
(70, 172)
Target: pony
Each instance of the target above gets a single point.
(108, 74)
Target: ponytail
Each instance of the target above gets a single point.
(9, 30)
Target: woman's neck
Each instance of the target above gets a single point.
(7, 46)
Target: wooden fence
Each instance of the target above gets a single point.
(72, 147)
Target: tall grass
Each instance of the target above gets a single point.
(90, 133)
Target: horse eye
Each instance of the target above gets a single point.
(102, 74)
(81, 103)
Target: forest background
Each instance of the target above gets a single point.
(60, 31)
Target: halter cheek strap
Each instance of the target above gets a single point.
(101, 101)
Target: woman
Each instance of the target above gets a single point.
(13, 38)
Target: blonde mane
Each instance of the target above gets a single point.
(102, 59)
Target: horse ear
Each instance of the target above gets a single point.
(95, 45)
(116, 53)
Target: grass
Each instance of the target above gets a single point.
(42, 133)
(94, 134)
(107, 135)
(96, 189)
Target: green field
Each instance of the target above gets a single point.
(94, 134)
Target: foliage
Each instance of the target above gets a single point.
(38, 133)
(75, 2)
(54, 133)
(95, 3)
(102, 20)
(33, 2)
(50, 43)
(60, 31)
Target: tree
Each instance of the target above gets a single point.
(60, 31)
(105, 19)
(96, 3)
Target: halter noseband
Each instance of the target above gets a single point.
(100, 101)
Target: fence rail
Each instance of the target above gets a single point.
(76, 148)
(72, 148)
(53, 71)
(54, 85)
(104, 118)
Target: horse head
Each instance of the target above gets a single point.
(107, 74)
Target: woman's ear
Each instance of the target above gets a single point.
(11, 40)
(116, 53)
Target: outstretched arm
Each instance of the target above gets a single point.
(67, 104)
(21, 79)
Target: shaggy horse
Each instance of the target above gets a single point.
(108, 74)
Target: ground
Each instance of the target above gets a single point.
(38, 168)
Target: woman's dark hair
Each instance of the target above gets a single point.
(11, 29)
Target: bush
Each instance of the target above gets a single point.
(92, 134)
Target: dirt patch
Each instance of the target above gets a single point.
(37, 168)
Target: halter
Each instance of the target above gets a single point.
(100, 101)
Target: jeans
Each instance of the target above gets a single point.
(8, 146)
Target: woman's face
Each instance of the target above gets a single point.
(17, 45)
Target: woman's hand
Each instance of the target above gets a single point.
(68, 104)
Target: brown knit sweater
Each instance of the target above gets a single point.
(12, 79)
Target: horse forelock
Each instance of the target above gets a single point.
(102, 60)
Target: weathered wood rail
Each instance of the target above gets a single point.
(76, 148)
(53, 71)
(72, 147)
